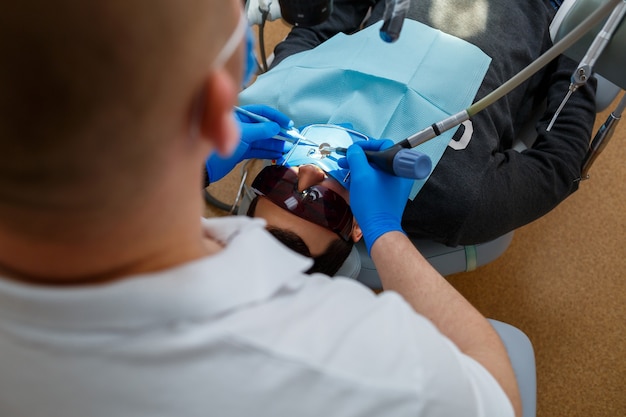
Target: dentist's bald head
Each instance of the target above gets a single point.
(94, 83)
(108, 109)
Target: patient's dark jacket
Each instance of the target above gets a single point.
(487, 189)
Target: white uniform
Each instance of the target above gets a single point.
(241, 333)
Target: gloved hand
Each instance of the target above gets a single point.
(256, 141)
(377, 198)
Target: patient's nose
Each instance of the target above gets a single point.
(308, 176)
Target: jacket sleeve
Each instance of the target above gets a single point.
(518, 187)
(346, 17)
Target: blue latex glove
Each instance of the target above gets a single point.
(377, 198)
(256, 141)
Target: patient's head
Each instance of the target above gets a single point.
(308, 211)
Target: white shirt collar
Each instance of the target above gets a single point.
(252, 267)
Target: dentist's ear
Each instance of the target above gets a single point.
(215, 112)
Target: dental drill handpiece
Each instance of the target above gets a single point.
(399, 162)
(585, 67)
(602, 137)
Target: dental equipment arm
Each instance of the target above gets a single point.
(586, 65)
(444, 125)
(404, 163)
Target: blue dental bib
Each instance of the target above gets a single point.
(383, 90)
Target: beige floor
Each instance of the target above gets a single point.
(563, 282)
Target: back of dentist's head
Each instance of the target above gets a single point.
(108, 109)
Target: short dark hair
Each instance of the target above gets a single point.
(327, 263)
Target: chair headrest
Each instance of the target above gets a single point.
(351, 266)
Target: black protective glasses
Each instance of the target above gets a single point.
(317, 204)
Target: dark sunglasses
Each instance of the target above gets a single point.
(317, 204)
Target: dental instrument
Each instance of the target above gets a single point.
(289, 135)
(585, 67)
(325, 149)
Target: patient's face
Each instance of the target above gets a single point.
(316, 237)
